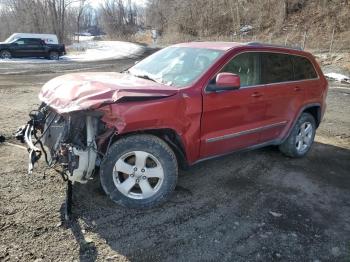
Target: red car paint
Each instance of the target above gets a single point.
(74, 92)
(208, 123)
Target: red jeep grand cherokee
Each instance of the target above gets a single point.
(179, 106)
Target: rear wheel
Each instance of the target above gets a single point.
(301, 138)
(5, 54)
(54, 55)
(139, 171)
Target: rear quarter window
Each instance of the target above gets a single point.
(303, 68)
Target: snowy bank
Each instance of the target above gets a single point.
(103, 50)
(338, 77)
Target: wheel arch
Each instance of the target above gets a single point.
(314, 109)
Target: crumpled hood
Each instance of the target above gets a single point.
(81, 91)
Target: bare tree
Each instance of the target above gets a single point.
(58, 9)
(118, 18)
(81, 8)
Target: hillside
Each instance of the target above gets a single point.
(297, 22)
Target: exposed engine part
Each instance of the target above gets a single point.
(82, 171)
(69, 140)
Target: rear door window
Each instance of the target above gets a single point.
(33, 42)
(276, 68)
(303, 68)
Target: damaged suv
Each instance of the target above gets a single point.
(181, 105)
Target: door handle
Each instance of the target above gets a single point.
(256, 94)
(297, 88)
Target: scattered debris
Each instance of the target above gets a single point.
(113, 258)
(88, 240)
(275, 214)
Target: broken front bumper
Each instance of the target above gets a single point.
(76, 159)
(25, 135)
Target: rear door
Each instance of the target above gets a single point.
(283, 95)
(232, 120)
(307, 77)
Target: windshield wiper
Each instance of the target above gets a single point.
(146, 77)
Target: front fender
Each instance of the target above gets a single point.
(177, 113)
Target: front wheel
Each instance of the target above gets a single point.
(5, 54)
(301, 138)
(139, 171)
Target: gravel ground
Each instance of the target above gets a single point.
(251, 206)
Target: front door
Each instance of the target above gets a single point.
(232, 120)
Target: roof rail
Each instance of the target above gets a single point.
(274, 45)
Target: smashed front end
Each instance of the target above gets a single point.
(67, 141)
(69, 127)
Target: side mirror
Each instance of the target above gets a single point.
(225, 82)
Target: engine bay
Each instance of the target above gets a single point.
(68, 141)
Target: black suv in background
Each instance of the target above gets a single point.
(31, 47)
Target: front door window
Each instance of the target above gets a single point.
(247, 66)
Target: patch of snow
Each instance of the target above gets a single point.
(104, 50)
(27, 60)
(246, 28)
(338, 77)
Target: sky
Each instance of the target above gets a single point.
(96, 3)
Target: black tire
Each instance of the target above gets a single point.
(5, 54)
(53, 55)
(152, 145)
(290, 146)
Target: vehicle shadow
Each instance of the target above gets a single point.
(256, 205)
(87, 249)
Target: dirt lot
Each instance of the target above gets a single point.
(252, 206)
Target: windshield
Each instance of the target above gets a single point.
(11, 39)
(176, 66)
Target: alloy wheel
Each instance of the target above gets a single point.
(304, 137)
(138, 175)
